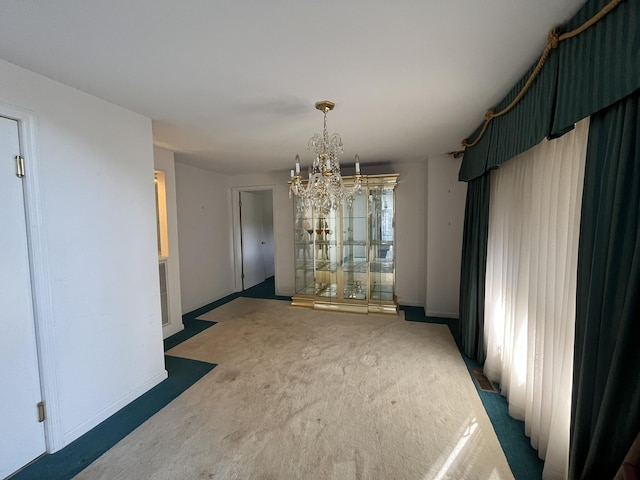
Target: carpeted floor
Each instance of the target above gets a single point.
(76, 456)
(301, 394)
(183, 373)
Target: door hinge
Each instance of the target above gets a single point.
(41, 412)
(242, 276)
(19, 166)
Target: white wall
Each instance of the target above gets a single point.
(205, 232)
(410, 232)
(163, 160)
(94, 161)
(445, 222)
(195, 191)
(410, 229)
(211, 273)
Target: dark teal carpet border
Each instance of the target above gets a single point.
(183, 373)
(79, 454)
(264, 290)
(521, 456)
(192, 327)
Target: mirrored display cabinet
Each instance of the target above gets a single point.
(344, 259)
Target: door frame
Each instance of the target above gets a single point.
(40, 274)
(237, 230)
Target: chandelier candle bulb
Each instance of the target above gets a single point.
(357, 165)
(291, 173)
(297, 164)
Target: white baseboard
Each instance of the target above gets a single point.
(171, 329)
(84, 427)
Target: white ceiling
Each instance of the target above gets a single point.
(231, 85)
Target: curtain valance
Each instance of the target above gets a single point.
(583, 75)
(474, 164)
(528, 122)
(600, 66)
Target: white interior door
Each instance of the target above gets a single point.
(268, 247)
(22, 436)
(252, 239)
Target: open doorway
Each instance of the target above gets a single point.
(254, 238)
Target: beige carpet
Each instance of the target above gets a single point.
(304, 394)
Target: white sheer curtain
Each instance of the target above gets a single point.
(531, 287)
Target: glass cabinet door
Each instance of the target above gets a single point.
(381, 234)
(344, 258)
(304, 251)
(354, 250)
(327, 258)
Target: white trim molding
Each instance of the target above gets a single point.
(40, 275)
(115, 407)
(235, 220)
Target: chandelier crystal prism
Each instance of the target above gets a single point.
(324, 190)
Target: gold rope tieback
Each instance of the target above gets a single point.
(553, 40)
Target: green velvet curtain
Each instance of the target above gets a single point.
(524, 126)
(474, 163)
(606, 385)
(600, 66)
(473, 269)
(583, 75)
(518, 130)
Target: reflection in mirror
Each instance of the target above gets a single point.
(161, 214)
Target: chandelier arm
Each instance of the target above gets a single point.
(325, 189)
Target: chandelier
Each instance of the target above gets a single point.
(325, 189)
